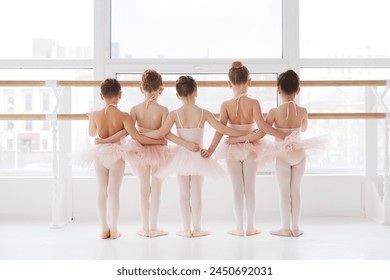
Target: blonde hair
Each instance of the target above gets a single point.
(238, 73)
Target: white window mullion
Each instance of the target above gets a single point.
(346, 63)
(101, 28)
(291, 34)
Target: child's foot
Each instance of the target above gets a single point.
(199, 233)
(282, 232)
(296, 232)
(238, 232)
(252, 231)
(105, 234)
(157, 232)
(143, 232)
(184, 233)
(115, 235)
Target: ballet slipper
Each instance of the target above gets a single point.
(200, 233)
(296, 232)
(105, 234)
(184, 233)
(253, 231)
(115, 235)
(282, 232)
(237, 232)
(143, 232)
(157, 232)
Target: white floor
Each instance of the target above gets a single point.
(324, 239)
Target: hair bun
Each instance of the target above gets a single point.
(237, 64)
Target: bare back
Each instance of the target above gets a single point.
(290, 116)
(149, 116)
(109, 121)
(240, 110)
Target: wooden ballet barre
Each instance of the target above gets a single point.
(77, 117)
(350, 116)
(91, 83)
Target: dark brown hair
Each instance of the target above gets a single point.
(151, 80)
(289, 82)
(110, 88)
(238, 73)
(185, 86)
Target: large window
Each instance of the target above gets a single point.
(196, 29)
(28, 145)
(346, 148)
(344, 29)
(46, 29)
(57, 40)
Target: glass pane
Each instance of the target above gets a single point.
(26, 149)
(46, 29)
(340, 99)
(344, 29)
(27, 145)
(196, 29)
(347, 137)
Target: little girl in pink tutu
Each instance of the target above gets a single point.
(109, 158)
(242, 113)
(146, 160)
(190, 167)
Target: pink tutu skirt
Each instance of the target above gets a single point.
(241, 151)
(140, 156)
(185, 163)
(292, 149)
(104, 154)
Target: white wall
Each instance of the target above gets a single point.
(322, 195)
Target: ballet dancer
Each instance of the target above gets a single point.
(242, 112)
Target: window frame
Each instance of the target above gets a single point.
(103, 66)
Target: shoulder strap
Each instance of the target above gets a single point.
(201, 118)
(288, 108)
(238, 102)
(178, 118)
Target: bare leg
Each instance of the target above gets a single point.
(144, 177)
(155, 205)
(102, 180)
(283, 175)
(116, 172)
(236, 175)
(249, 171)
(184, 190)
(296, 178)
(196, 205)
